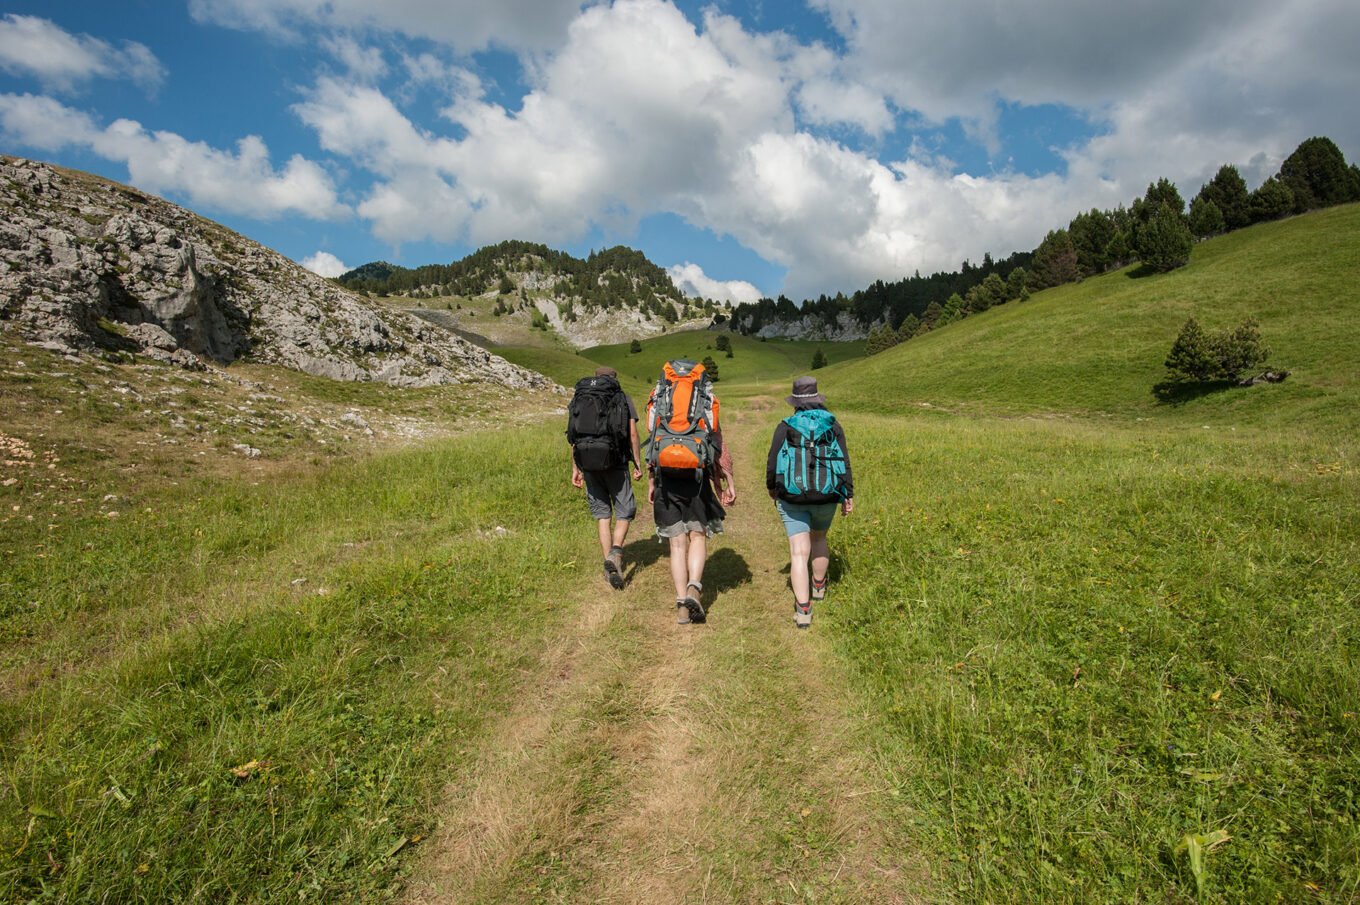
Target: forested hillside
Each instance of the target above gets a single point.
(617, 277)
(1156, 230)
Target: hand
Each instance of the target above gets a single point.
(728, 495)
(847, 507)
(651, 489)
(637, 473)
(578, 480)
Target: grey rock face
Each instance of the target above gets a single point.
(88, 265)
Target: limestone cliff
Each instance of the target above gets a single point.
(91, 266)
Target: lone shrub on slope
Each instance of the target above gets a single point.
(1200, 357)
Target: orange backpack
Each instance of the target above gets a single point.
(681, 417)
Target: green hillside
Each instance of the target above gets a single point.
(564, 367)
(1099, 346)
(751, 361)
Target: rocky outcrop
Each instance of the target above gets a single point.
(601, 326)
(90, 266)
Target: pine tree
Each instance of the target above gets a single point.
(1190, 357)
(1205, 218)
(1271, 200)
(634, 347)
(1164, 242)
(818, 360)
(1055, 261)
(711, 368)
(1317, 175)
(1229, 192)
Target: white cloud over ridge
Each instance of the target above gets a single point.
(633, 109)
(639, 111)
(240, 182)
(325, 264)
(60, 61)
(690, 279)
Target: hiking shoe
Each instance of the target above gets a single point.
(819, 589)
(681, 612)
(802, 614)
(613, 568)
(695, 603)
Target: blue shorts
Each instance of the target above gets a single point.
(803, 519)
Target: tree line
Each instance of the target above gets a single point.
(1155, 230)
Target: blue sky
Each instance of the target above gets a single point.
(752, 147)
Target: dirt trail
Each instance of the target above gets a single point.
(652, 762)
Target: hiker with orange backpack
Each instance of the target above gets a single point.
(685, 459)
(808, 476)
(602, 431)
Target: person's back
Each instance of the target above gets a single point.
(807, 474)
(685, 458)
(602, 431)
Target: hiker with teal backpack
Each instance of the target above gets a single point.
(602, 431)
(808, 476)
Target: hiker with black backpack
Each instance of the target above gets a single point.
(602, 431)
(808, 476)
(685, 459)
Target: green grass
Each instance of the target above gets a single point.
(1084, 642)
(562, 366)
(1091, 622)
(354, 687)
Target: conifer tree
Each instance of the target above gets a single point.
(818, 360)
(1205, 218)
(1164, 242)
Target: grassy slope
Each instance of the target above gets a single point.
(322, 611)
(1088, 636)
(1098, 346)
(751, 361)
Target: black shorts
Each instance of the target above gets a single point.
(685, 502)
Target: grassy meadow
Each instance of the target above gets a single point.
(1092, 623)
(1083, 643)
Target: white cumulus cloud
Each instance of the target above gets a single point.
(325, 264)
(41, 49)
(243, 181)
(639, 110)
(690, 279)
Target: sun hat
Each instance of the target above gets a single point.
(805, 393)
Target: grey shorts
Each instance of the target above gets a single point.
(608, 491)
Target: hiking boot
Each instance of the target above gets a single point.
(694, 602)
(819, 589)
(802, 614)
(613, 568)
(681, 612)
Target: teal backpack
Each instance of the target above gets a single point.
(810, 464)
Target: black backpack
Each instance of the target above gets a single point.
(597, 424)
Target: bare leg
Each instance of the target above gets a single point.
(800, 545)
(603, 525)
(698, 553)
(620, 532)
(680, 563)
(821, 556)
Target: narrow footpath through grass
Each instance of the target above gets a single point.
(651, 762)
